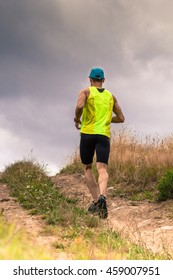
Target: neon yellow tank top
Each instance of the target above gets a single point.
(97, 112)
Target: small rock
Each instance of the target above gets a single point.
(4, 199)
(166, 228)
(144, 223)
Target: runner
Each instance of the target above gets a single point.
(95, 105)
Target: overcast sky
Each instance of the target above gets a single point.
(47, 48)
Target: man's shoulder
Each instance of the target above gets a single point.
(107, 90)
(86, 91)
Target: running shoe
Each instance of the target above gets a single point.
(93, 208)
(102, 207)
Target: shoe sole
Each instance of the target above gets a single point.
(94, 212)
(102, 210)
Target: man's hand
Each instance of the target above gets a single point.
(119, 117)
(77, 123)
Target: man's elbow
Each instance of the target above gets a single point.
(79, 107)
(121, 119)
(80, 104)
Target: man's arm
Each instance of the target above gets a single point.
(119, 118)
(79, 107)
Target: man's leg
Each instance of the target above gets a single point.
(91, 181)
(103, 182)
(103, 178)
(87, 149)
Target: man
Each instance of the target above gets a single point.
(96, 104)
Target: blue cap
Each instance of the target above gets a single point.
(97, 73)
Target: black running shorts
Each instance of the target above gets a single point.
(91, 143)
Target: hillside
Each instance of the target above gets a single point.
(145, 223)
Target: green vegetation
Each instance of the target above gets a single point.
(101, 244)
(15, 245)
(36, 192)
(165, 186)
(77, 233)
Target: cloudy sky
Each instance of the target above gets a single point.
(47, 48)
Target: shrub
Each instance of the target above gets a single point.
(165, 186)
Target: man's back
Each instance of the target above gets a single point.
(97, 112)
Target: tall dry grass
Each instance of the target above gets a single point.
(139, 161)
(136, 162)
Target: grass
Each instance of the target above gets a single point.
(77, 233)
(136, 165)
(36, 192)
(73, 166)
(101, 244)
(165, 186)
(15, 245)
(139, 164)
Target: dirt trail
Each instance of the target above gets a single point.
(13, 212)
(145, 223)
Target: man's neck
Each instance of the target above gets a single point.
(96, 84)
